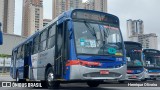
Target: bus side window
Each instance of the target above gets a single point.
(43, 40)
(19, 53)
(51, 39)
(22, 52)
(35, 45)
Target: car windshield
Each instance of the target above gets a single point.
(153, 61)
(98, 39)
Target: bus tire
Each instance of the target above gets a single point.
(49, 77)
(143, 80)
(93, 83)
(154, 78)
(121, 82)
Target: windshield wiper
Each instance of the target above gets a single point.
(105, 35)
(91, 30)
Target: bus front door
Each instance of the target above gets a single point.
(27, 57)
(61, 50)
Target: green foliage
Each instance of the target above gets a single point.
(4, 56)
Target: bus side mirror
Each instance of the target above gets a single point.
(147, 63)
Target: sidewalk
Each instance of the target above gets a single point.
(5, 74)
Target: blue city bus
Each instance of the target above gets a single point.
(152, 63)
(78, 45)
(135, 63)
(1, 36)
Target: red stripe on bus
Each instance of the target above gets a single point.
(83, 63)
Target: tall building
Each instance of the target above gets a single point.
(46, 21)
(32, 19)
(134, 28)
(7, 12)
(148, 40)
(60, 6)
(135, 32)
(98, 5)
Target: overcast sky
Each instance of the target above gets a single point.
(146, 10)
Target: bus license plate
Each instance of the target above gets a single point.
(104, 72)
(134, 76)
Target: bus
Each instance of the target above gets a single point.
(1, 36)
(78, 45)
(135, 63)
(152, 63)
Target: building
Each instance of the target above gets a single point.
(5, 65)
(60, 6)
(7, 13)
(134, 28)
(32, 19)
(98, 5)
(148, 40)
(9, 42)
(46, 21)
(135, 32)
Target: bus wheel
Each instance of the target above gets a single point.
(93, 83)
(121, 81)
(143, 80)
(50, 79)
(154, 78)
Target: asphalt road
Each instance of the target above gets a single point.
(83, 86)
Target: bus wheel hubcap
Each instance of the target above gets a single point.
(50, 78)
(17, 78)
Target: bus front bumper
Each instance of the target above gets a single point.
(78, 72)
(153, 75)
(135, 77)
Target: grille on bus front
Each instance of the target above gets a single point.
(97, 74)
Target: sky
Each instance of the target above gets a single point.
(146, 10)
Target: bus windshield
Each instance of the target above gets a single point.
(98, 39)
(133, 53)
(153, 61)
(134, 58)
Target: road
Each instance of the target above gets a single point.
(83, 86)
